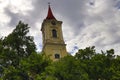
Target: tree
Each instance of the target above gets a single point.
(18, 44)
(14, 47)
(20, 61)
(68, 68)
(85, 54)
(35, 64)
(99, 66)
(19, 41)
(12, 73)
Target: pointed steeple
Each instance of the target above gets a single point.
(50, 14)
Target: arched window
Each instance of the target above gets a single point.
(54, 33)
(57, 56)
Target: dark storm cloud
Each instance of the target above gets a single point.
(70, 11)
(32, 17)
(73, 12)
(36, 14)
(117, 5)
(14, 17)
(96, 19)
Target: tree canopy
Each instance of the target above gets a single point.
(20, 61)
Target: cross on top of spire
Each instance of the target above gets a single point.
(49, 3)
(50, 14)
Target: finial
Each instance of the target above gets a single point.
(49, 3)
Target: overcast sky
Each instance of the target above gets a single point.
(85, 22)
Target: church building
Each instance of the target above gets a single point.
(53, 42)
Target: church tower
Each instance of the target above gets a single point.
(53, 42)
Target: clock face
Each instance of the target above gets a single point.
(53, 23)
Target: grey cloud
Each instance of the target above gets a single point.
(31, 18)
(74, 13)
(117, 4)
(14, 17)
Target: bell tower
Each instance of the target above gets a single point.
(53, 42)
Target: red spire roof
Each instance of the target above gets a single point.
(50, 14)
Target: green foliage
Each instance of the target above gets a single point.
(19, 41)
(20, 61)
(12, 73)
(99, 65)
(67, 68)
(35, 64)
(14, 47)
(86, 53)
